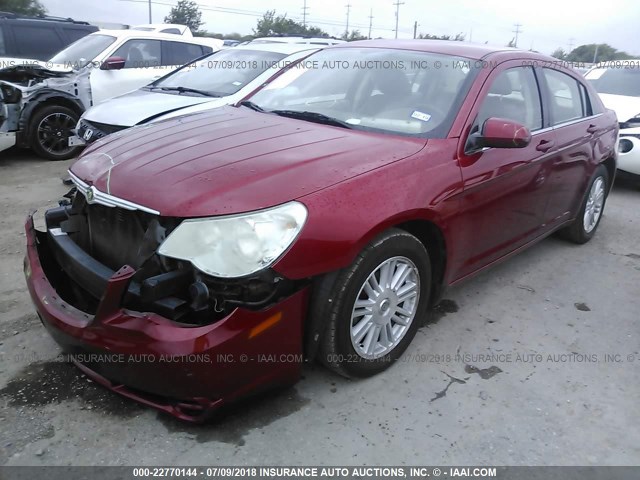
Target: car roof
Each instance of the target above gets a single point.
(446, 47)
(284, 48)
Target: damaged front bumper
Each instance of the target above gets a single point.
(185, 370)
(7, 140)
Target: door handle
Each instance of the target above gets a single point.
(592, 128)
(545, 145)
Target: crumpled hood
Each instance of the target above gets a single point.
(139, 106)
(624, 106)
(232, 160)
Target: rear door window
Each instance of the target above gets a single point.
(566, 98)
(3, 48)
(38, 42)
(179, 53)
(74, 34)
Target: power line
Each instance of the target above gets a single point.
(348, 13)
(517, 31)
(256, 14)
(397, 4)
(304, 14)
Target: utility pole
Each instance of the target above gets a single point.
(348, 12)
(370, 22)
(150, 19)
(397, 4)
(415, 30)
(304, 14)
(471, 35)
(517, 31)
(595, 54)
(571, 40)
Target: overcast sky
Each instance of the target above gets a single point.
(546, 24)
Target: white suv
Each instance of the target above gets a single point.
(42, 102)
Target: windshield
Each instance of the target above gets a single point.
(85, 50)
(396, 91)
(621, 80)
(223, 73)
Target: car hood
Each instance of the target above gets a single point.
(141, 106)
(624, 106)
(232, 160)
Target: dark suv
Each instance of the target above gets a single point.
(38, 38)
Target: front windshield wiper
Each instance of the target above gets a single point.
(251, 105)
(187, 90)
(312, 117)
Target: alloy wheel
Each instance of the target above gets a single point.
(385, 307)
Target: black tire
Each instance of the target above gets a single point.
(576, 231)
(59, 121)
(335, 298)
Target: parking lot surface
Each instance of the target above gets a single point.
(535, 362)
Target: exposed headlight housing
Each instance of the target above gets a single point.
(10, 94)
(236, 245)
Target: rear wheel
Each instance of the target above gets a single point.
(375, 306)
(49, 132)
(586, 223)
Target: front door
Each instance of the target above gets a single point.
(504, 188)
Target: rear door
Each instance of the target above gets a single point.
(504, 189)
(577, 128)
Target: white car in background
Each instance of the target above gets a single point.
(618, 83)
(42, 101)
(223, 78)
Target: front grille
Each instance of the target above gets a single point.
(115, 235)
(98, 130)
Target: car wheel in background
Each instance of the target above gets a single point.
(49, 132)
(586, 223)
(375, 306)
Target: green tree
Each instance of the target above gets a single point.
(23, 7)
(600, 52)
(186, 12)
(354, 36)
(559, 53)
(271, 24)
(458, 37)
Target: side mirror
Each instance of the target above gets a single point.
(113, 63)
(499, 133)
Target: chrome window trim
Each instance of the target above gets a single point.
(565, 124)
(93, 195)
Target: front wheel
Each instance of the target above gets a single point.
(49, 132)
(375, 306)
(586, 223)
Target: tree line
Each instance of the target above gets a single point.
(186, 12)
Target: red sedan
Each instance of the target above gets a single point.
(203, 258)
